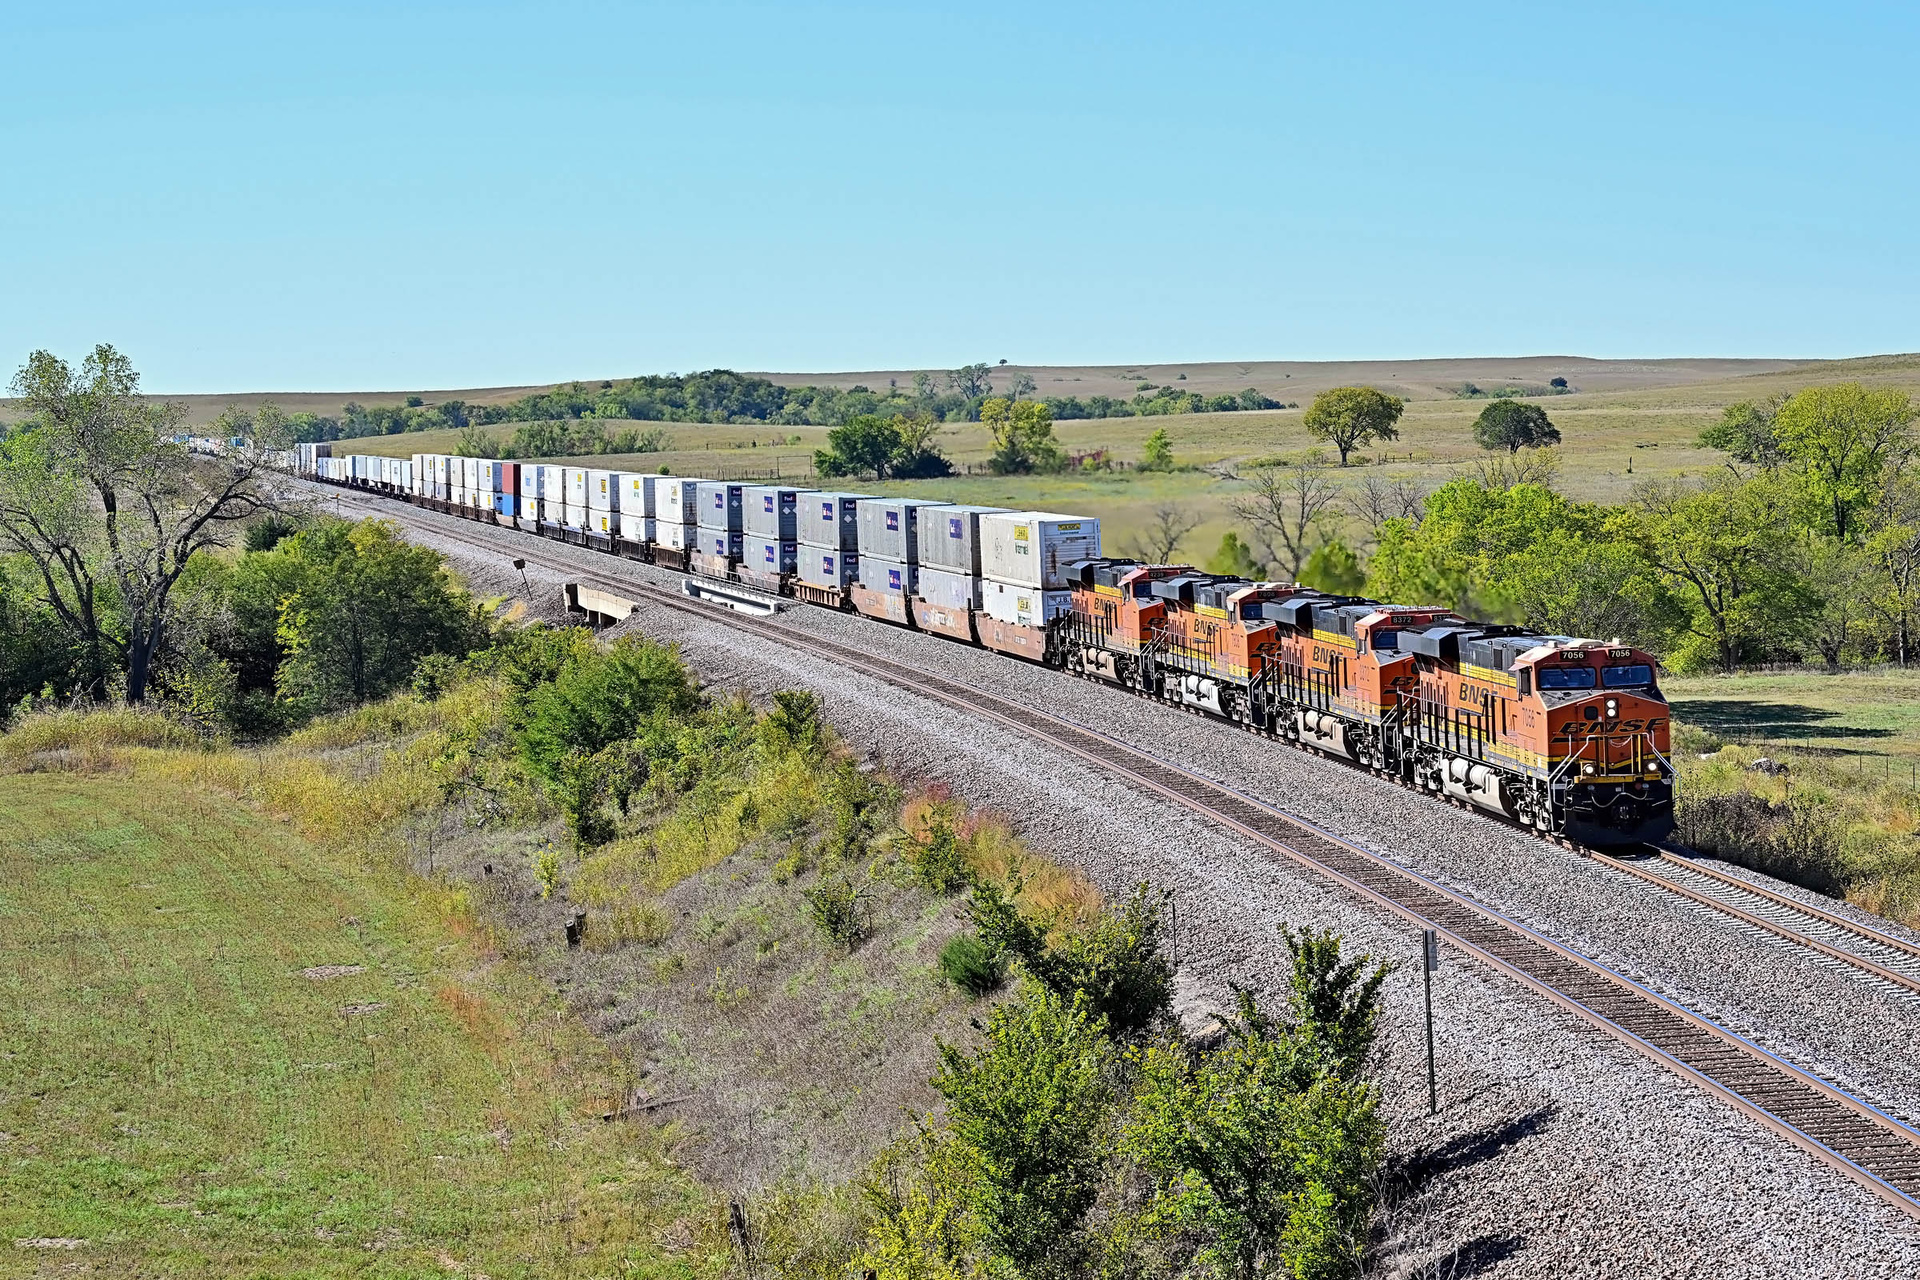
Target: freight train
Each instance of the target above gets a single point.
(1568, 737)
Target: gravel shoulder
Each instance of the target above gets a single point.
(1556, 1152)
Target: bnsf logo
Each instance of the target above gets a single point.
(1603, 728)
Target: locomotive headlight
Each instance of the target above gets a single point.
(1613, 706)
(1586, 768)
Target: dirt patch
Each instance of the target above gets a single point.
(49, 1242)
(321, 972)
(357, 1010)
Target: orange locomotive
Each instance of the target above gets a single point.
(1568, 736)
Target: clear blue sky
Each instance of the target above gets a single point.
(397, 195)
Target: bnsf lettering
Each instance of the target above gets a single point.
(1601, 728)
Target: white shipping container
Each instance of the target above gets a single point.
(829, 519)
(719, 542)
(576, 490)
(573, 517)
(635, 528)
(529, 489)
(949, 589)
(719, 507)
(636, 494)
(950, 538)
(676, 535)
(1034, 548)
(890, 527)
(769, 555)
(607, 522)
(1023, 606)
(677, 498)
(603, 490)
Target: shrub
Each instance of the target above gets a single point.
(1114, 960)
(434, 674)
(597, 698)
(1799, 839)
(546, 869)
(972, 965)
(834, 907)
(794, 723)
(937, 856)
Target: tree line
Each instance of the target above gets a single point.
(1804, 545)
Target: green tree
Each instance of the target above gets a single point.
(478, 442)
(1335, 1001)
(1841, 440)
(1023, 442)
(1746, 430)
(1261, 1159)
(899, 447)
(1514, 425)
(1349, 418)
(1030, 1114)
(972, 381)
(1725, 548)
(109, 508)
(366, 606)
(1334, 567)
(1234, 558)
(1157, 453)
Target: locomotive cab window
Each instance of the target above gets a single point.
(1637, 673)
(1386, 639)
(1566, 677)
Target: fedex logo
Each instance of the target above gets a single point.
(893, 520)
(826, 512)
(953, 527)
(893, 580)
(769, 555)
(768, 501)
(826, 564)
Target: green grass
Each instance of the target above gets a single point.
(176, 1094)
(1870, 720)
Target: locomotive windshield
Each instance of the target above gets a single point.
(1566, 677)
(1386, 639)
(1626, 677)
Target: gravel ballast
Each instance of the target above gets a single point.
(1557, 1152)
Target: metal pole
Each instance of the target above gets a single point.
(1430, 960)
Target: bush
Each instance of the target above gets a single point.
(1114, 961)
(972, 965)
(1800, 839)
(834, 907)
(546, 869)
(937, 856)
(597, 698)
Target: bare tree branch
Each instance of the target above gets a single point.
(1171, 525)
(1283, 506)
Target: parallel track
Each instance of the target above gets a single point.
(1845, 1132)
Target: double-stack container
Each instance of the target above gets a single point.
(770, 520)
(720, 506)
(636, 505)
(676, 513)
(553, 494)
(950, 556)
(459, 481)
(890, 554)
(573, 511)
(603, 502)
(1025, 557)
(505, 477)
(529, 518)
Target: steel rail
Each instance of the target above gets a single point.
(1719, 904)
(1848, 1134)
(1854, 927)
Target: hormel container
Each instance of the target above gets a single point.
(891, 577)
(889, 528)
(636, 493)
(1034, 548)
(719, 543)
(603, 490)
(765, 555)
(829, 519)
(676, 536)
(677, 499)
(635, 528)
(605, 523)
(1023, 606)
(771, 512)
(720, 507)
(828, 567)
(949, 589)
(576, 490)
(950, 538)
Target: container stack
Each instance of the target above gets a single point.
(529, 513)
(505, 477)
(1024, 557)
(676, 514)
(721, 523)
(770, 520)
(890, 555)
(827, 534)
(603, 502)
(553, 496)
(573, 508)
(637, 506)
(950, 568)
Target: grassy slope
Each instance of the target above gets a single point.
(177, 1095)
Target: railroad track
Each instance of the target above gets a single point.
(1845, 1132)
(1879, 960)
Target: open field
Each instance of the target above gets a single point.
(1624, 422)
(180, 1096)
(1869, 721)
